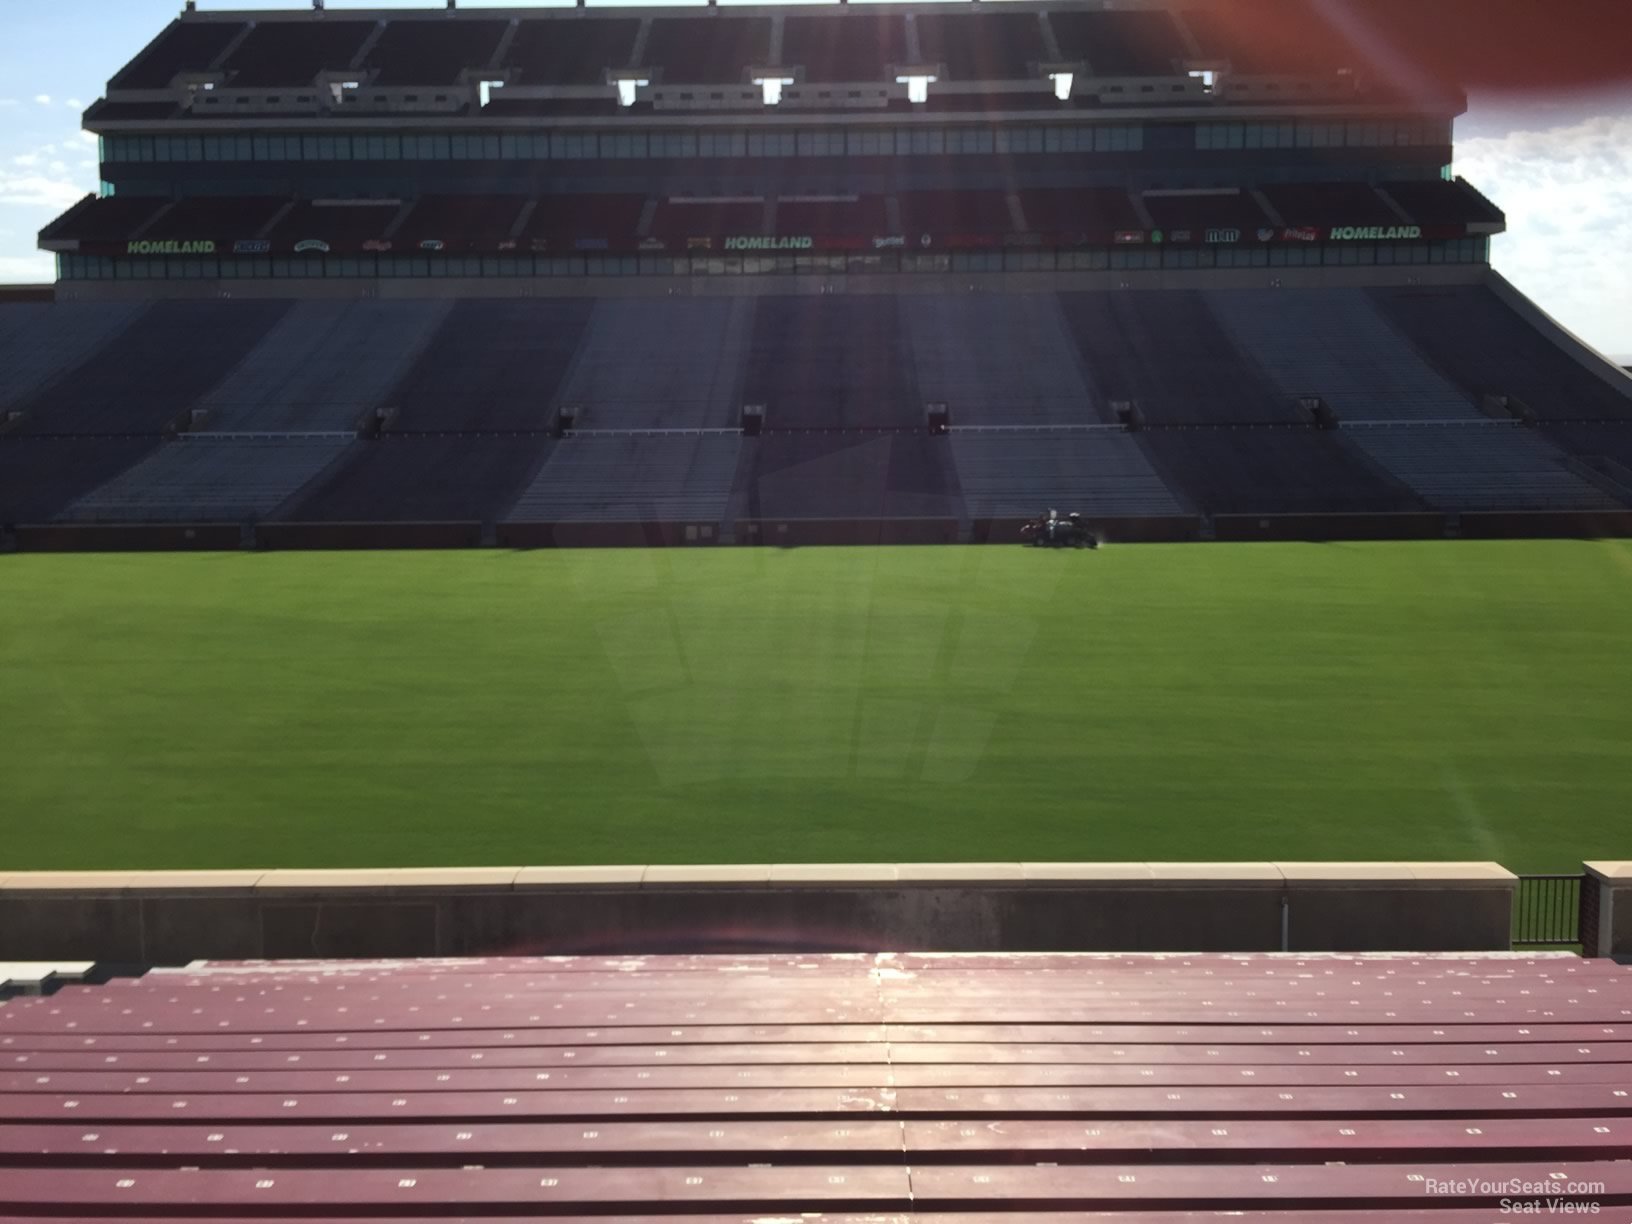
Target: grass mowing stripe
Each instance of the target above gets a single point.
(1364, 701)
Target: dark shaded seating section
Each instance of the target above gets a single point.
(186, 46)
(1271, 471)
(114, 219)
(562, 220)
(418, 479)
(817, 476)
(1094, 211)
(153, 371)
(1327, 204)
(492, 365)
(461, 222)
(1226, 209)
(432, 52)
(342, 225)
(1120, 43)
(831, 363)
(1606, 447)
(1479, 342)
(677, 220)
(1270, 38)
(41, 477)
(1166, 351)
(1436, 202)
(982, 46)
(216, 217)
(863, 216)
(955, 212)
(294, 52)
(574, 51)
(850, 45)
(715, 54)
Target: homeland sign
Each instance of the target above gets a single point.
(172, 247)
(803, 243)
(1373, 233)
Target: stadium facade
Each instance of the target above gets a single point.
(728, 273)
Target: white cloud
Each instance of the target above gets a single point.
(73, 104)
(89, 137)
(8, 101)
(26, 159)
(38, 190)
(43, 99)
(37, 268)
(1567, 192)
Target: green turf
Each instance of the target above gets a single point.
(1455, 700)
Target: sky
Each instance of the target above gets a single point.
(1559, 165)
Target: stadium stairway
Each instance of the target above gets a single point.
(1333, 343)
(680, 477)
(998, 359)
(1098, 471)
(323, 367)
(1169, 1089)
(1483, 465)
(660, 363)
(212, 478)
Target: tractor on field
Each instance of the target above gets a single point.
(1051, 531)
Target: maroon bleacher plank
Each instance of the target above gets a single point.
(1088, 1187)
(450, 1190)
(1372, 1215)
(1444, 1054)
(1279, 1034)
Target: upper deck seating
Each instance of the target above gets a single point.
(461, 222)
(148, 375)
(1328, 204)
(432, 52)
(1092, 212)
(660, 363)
(560, 221)
(492, 365)
(185, 46)
(716, 52)
(1480, 342)
(677, 220)
(294, 52)
(1203, 211)
(831, 362)
(572, 51)
(343, 225)
(323, 367)
(1119, 44)
(850, 45)
(1436, 202)
(1008, 475)
(1481, 465)
(1271, 38)
(40, 477)
(838, 475)
(860, 216)
(409, 478)
(982, 46)
(217, 217)
(955, 212)
(1165, 351)
(997, 359)
(1334, 344)
(114, 219)
(204, 479)
(40, 342)
(1297, 470)
(632, 478)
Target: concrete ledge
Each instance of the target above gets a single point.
(175, 917)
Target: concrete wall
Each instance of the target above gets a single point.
(175, 917)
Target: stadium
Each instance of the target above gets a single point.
(607, 440)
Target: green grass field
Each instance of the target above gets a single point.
(1432, 700)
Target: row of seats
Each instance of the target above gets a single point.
(1171, 357)
(487, 222)
(847, 46)
(718, 477)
